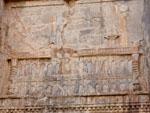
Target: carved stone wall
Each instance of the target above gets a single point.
(75, 56)
(2, 61)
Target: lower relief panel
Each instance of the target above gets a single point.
(95, 84)
(77, 76)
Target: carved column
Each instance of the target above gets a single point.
(13, 72)
(136, 72)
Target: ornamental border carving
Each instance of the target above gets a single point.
(115, 108)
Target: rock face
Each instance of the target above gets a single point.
(75, 56)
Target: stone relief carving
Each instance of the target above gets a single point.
(71, 59)
(93, 73)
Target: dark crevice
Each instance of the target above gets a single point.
(70, 2)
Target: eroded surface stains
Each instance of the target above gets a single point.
(74, 56)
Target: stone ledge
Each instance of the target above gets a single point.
(71, 96)
(36, 3)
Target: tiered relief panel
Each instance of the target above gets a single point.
(76, 75)
(72, 59)
(85, 81)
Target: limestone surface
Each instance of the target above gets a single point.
(74, 56)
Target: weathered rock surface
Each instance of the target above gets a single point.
(75, 56)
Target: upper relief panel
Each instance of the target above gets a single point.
(40, 25)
